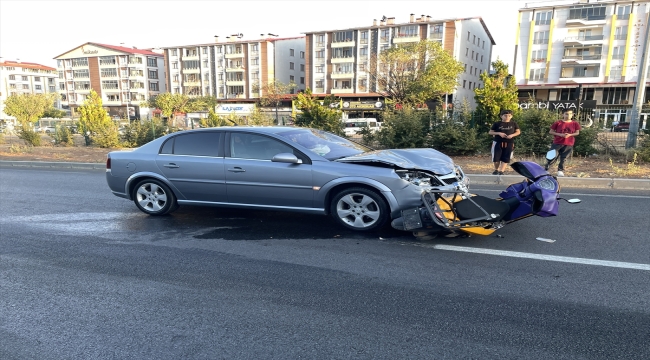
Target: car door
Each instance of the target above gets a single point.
(253, 179)
(193, 162)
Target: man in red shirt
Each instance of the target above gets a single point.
(564, 132)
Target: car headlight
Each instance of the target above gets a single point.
(416, 178)
(546, 184)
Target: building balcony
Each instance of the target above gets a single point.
(186, 57)
(342, 60)
(235, 55)
(191, 71)
(342, 91)
(571, 74)
(589, 21)
(343, 74)
(584, 40)
(319, 90)
(235, 69)
(235, 82)
(191, 83)
(340, 44)
(236, 96)
(581, 59)
(406, 38)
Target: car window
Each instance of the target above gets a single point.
(197, 144)
(252, 146)
(168, 146)
(323, 143)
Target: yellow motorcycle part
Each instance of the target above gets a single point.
(449, 214)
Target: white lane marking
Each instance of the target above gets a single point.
(564, 194)
(566, 259)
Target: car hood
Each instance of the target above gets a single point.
(417, 159)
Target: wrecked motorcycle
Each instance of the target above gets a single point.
(453, 210)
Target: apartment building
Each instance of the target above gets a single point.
(124, 77)
(235, 69)
(17, 77)
(583, 52)
(338, 61)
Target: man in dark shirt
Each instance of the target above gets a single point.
(503, 145)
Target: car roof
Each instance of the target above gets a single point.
(257, 129)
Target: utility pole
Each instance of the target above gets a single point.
(640, 89)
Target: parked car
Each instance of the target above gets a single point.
(624, 126)
(278, 168)
(45, 129)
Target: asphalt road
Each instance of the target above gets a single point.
(84, 275)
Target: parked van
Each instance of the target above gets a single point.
(352, 126)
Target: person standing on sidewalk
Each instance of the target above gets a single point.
(564, 132)
(504, 132)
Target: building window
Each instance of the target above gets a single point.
(302, 67)
(384, 35)
(343, 36)
(539, 55)
(466, 51)
(346, 52)
(175, 65)
(616, 72)
(109, 72)
(153, 86)
(12, 77)
(62, 86)
(109, 84)
(362, 67)
(587, 13)
(320, 40)
(320, 54)
(291, 66)
(292, 78)
(12, 86)
(25, 77)
(38, 87)
(537, 74)
(620, 33)
(407, 31)
(623, 12)
(80, 73)
(481, 59)
(219, 49)
(465, 68)
(80, 62)
(364, 37)
(153, 62)
(319, 84)
(540, 37)
(618, 52)
(253, 47)
(302, 79)
(471, 70)
(435, 32)
(255, 76)
(37, 78)
(291, 52)
(107, 60)
(205, 64)
(206, 77)
(320, 69)
(464, 83)
(614, 95)
(468, 36)
(302, 54)
(153, 74)
(543, 18)
(191, 64)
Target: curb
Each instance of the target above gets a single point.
(53, 164)
(566, 182)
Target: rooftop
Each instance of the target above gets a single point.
(241, 41)
(26, 65)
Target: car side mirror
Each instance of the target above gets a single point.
(286, 158)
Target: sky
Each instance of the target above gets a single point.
(39, 30)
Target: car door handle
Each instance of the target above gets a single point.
(171, 166)
(237, 169)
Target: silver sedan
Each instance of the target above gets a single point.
(278, 168)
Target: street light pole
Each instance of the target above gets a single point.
(642, 77)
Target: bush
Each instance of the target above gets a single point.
(455, 139)
(139, 133)
(63, 136)
(585, 141)
(405, 129)
(30, 136)
(535, 125)
(644, 148)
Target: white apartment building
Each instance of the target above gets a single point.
(17, 77)
(231, 69)
(586, 52)
(124, 77)
(338, 61)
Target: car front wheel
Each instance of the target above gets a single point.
(154, 198)
(359, 209)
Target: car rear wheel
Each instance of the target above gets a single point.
(154, 198)
(359, 209)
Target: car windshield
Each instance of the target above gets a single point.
(325, 144)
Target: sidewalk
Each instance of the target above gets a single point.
(565, 182)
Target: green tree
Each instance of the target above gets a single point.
(272, 94)
(27, 109)
(171, 104)
(535, 125)
(95, 122)
(54, 113)
(318, 115)
(499, 92)
(414, 73)
(406, 128)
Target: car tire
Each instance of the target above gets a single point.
(154, 198)
(359, 209)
